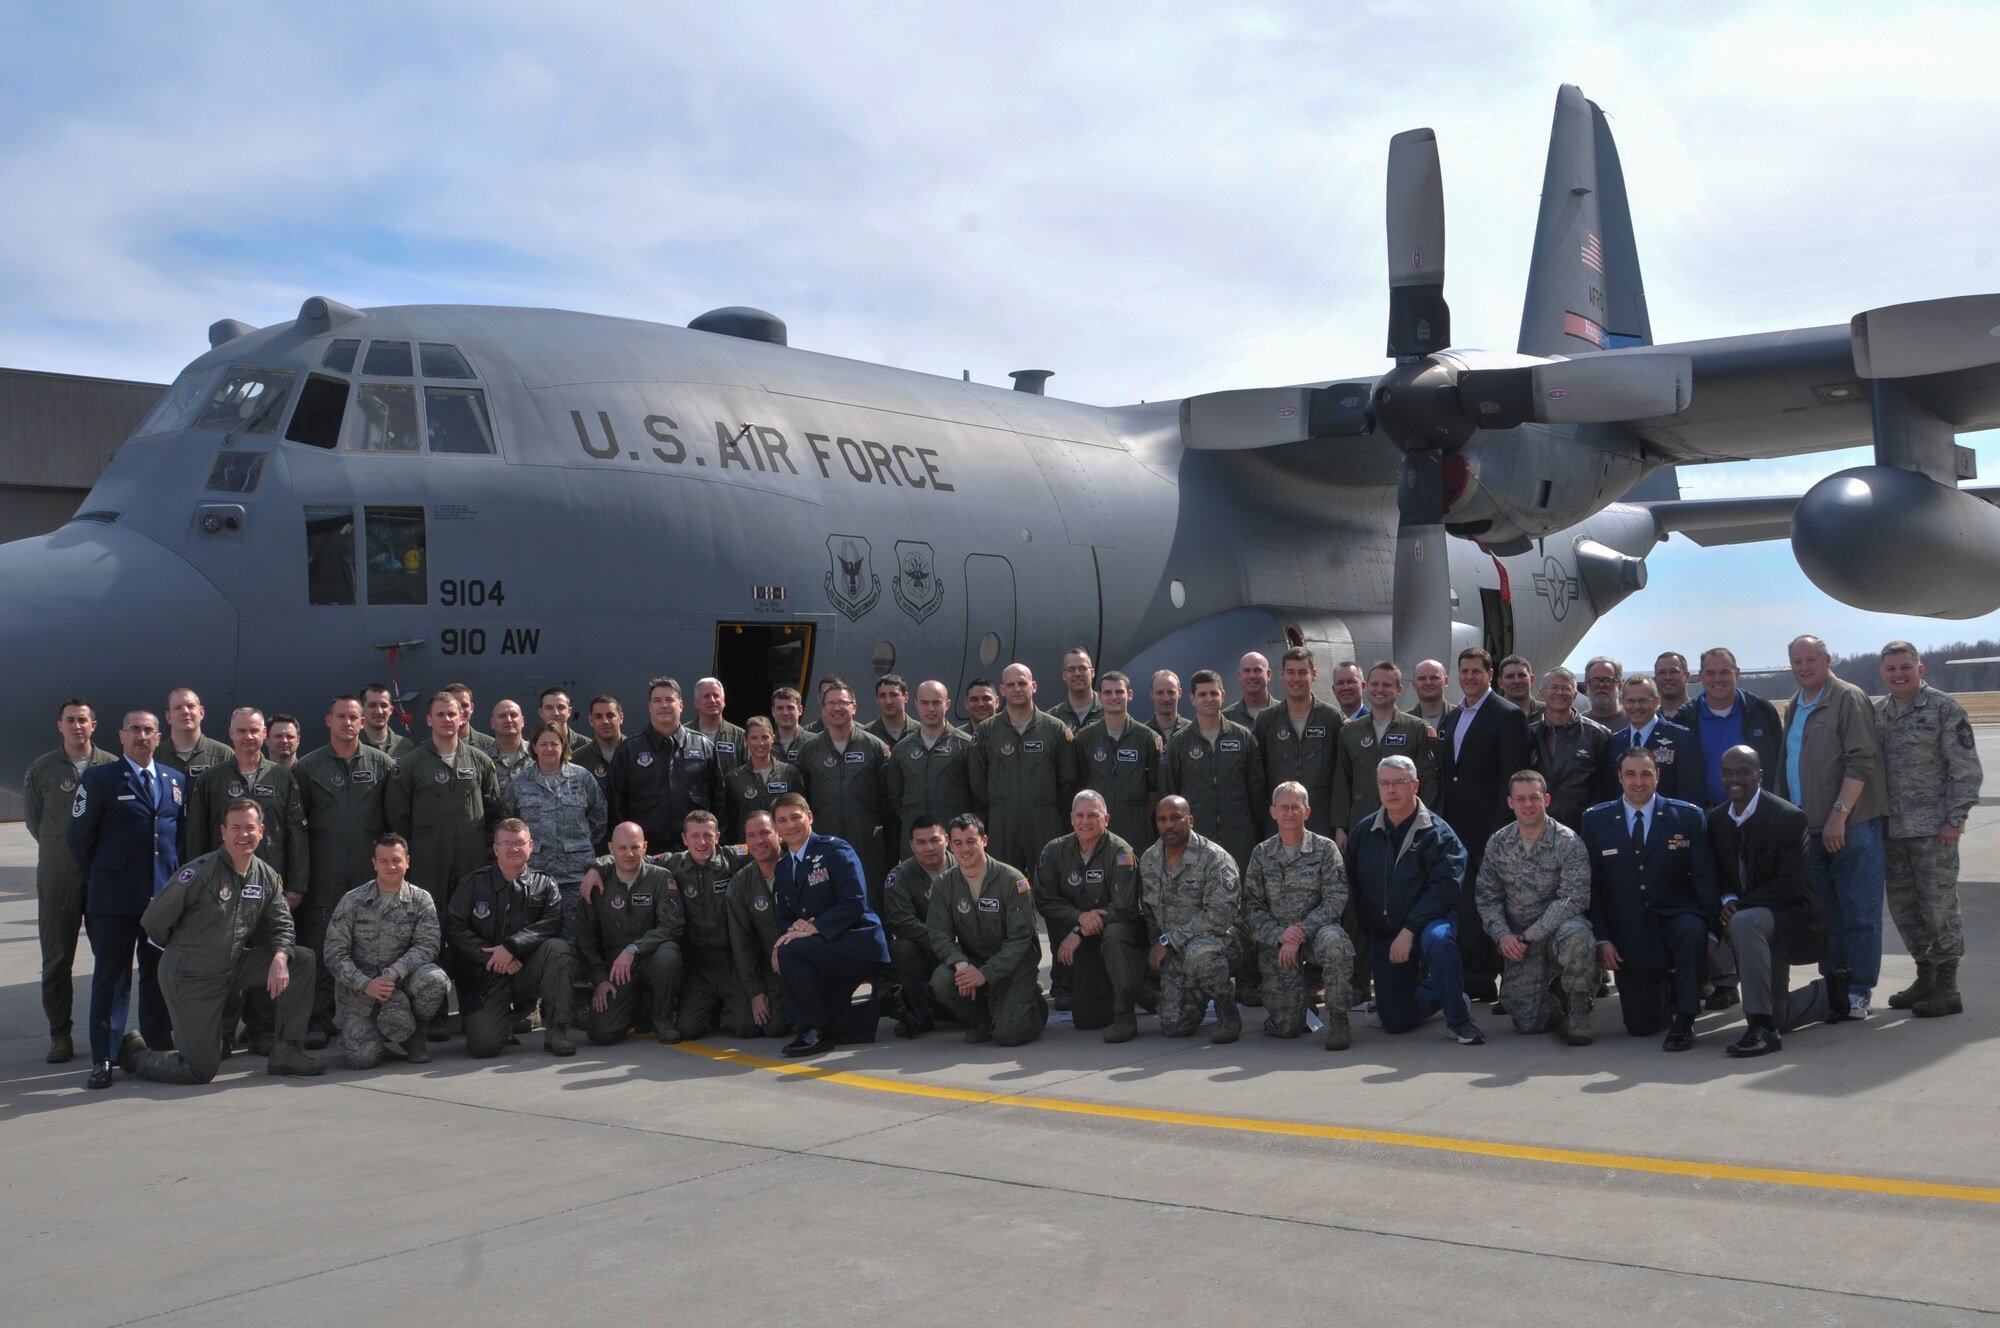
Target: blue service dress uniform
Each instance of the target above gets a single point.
(124, 831)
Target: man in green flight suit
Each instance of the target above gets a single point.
(982, 924)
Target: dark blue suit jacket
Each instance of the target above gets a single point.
(127, 843)
(1679, 754)
(833, 896)
(1632, 888)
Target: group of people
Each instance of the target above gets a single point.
(1320, 859)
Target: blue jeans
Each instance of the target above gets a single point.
(1850, 885)
(1400, 999)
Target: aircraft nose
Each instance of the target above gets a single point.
(102, 612)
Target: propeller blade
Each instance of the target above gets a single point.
(1420, 620)
(1419, 319)
(1597, 389)
(1929, 336)
(1273, 416)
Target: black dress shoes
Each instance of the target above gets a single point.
(1680, 1034)
(809, 1042)
(1760, 1039)
(100, 1075)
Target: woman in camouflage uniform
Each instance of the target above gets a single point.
(564, 807)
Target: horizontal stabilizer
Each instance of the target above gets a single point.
(1927, 337)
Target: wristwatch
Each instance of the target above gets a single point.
(632, 949)
(1077, 930)
(1164, 940)
(1840, 807)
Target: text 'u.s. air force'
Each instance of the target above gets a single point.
(762, 448)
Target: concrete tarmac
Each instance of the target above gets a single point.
(1160, 1181)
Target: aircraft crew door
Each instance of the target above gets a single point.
(754, 659)
(989, 621)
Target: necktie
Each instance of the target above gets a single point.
(1639, 827)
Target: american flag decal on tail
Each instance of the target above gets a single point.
(1593, 253)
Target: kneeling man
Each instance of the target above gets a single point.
(1294, 891)
(225, 927)
(382, 944)
(982, 923)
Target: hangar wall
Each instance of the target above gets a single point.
(57, 432)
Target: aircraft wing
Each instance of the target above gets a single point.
(1711, 522)
(1809, 389)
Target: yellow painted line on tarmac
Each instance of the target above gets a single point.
(1566, 1157)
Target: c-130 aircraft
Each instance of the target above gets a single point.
(525, 497)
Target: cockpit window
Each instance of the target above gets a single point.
(441, 361)
(340, 355)
(177, 405)
(457, 420)
(388, 358)
(249, 401)
(235, 472)
(386, 420)
(322, 403)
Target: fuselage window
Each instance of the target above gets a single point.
(457, 420)
(442, 361)
(177, 405)
(249, 401)
(330, 555)
(388, 358)
(235, 472)
(386, 420)
(396, 573)
(322, 404)
(339, 355)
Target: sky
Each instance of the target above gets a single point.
(1152, 200)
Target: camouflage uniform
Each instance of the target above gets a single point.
(48, 795)
(1126, 770)
(1223, 782)
(1306, 885)
(1191, 909)
(511, 765)
(1539, 892)
(1069, 883)
(371, 935)
(994, 930)
(1933, 778)
(566, 815)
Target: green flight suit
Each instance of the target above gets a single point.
(207, 752)
(48, 794)
(644, 916)
(932, 780)
(447, 810)
(219, 930)
(1223, 782)
(1021, 781)
(752, 791)
(753, 931)
(849, 793)
(342, 798)
(1304, 754)
(1354, 795)
(1126, 770)
(994, 931)
(1070, 883)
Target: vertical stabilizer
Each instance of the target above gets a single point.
(1584, 291)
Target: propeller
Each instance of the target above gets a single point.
(1433, 402)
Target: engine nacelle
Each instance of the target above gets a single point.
(1506, 488)
(1896, 541)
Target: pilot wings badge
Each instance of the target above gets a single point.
(916, 586)
(851, 582)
